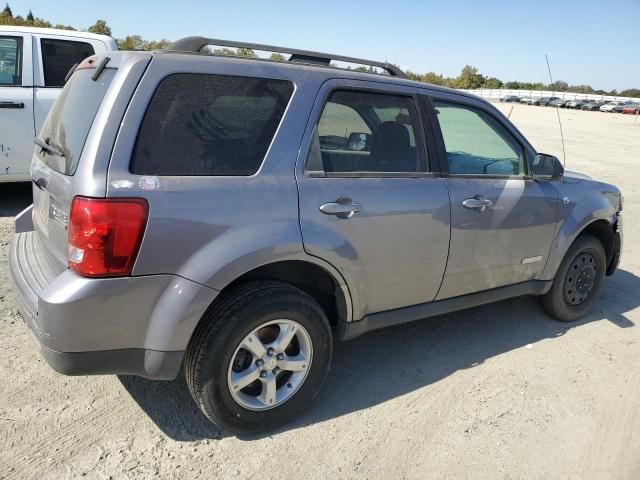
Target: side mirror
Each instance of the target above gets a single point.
(359, 142)
(547, 167)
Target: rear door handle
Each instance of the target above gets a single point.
(477, 203)
(341, 208)
(11, 105)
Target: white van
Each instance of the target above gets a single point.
(33, 65)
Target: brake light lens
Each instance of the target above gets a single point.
(105, 235)
(88, 63)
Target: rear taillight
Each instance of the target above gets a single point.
(105, 235)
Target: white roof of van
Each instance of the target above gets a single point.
(55, 31)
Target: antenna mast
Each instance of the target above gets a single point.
(564, 155)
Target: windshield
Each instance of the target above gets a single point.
(69, 121)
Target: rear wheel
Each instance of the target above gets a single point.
(577, 281)
(260, 357)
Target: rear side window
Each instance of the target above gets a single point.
(200, 124)
(10, 61)
(70, 119)
(367, 132)
(58, 56)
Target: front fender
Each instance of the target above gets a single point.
(578, 209)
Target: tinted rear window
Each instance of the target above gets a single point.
(69, 121)
(209, 125)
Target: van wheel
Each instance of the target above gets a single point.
(577, 281)
(259, 356)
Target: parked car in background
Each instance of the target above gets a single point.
(305, 248)
(510, 99)
(575, 104)
(621, 106)
(33, 65)
(560, 102)
(527, 100)
(592, 104)
(609, 107)
(631, 108)
(545, 101)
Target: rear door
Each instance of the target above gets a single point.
(65, 130)
(16, 106)
(369, 203)
(55, 55)
(502, 220)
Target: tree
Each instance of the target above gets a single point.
(277, 57)
(558, 86)
(492, 82)
(224, 51)
(100, 27)
(246, 52)
(469, 78)
(631, 92)
(131, 42)
(156, 44)
(7, 11)
(30, 17)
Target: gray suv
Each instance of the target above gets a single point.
(232, 217)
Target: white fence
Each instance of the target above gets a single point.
(500, 93)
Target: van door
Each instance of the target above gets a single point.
(55, 55)
(369, 204)
(16, 107)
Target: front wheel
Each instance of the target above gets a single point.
(577, 281)
(259, 357)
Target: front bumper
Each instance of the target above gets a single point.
(617, 246)
(129, 325)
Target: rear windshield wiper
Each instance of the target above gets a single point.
(46, 147)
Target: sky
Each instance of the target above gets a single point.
(588, 42)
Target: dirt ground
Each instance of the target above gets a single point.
(497, 392)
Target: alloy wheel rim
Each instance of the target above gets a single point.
(580, 279)
(270, 364)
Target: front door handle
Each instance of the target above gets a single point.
(341, 208)
(477, 203)
(11, 105)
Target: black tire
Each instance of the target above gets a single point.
(224, 326)
(564, 301)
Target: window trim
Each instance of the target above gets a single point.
(442, 152)
(20, 44)
(421, 136)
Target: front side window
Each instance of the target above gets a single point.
(199, 124)
(476, 143)
(367, 132)
(58, 56)
(10, 61)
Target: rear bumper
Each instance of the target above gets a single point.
(130, 325)
(134, 361)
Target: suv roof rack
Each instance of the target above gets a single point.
(195, 44)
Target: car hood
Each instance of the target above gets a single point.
(576, 175)
(571, 177)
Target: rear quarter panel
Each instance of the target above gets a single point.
(212, 229)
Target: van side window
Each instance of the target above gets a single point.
(364, 132)
(10, 61)
(477, 144)
(199, 124)
(58, 56)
